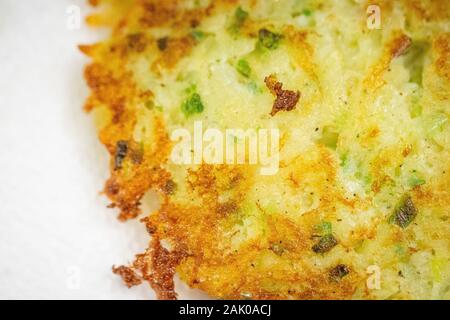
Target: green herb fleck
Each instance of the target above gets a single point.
(253, 87)
(344, 159)
(414, 181)
(415, 60)
(198, 35)
(191, 89)
(307, 12)
(324, 228)
(304, 12)
(268, 39)
(325, 244)
(243, 68)
(415, 108)
(240, 16)
(329, 137)
(192, 105)
(404, 214)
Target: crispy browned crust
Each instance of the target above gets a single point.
(129, 277)
(442, 48)
(397, 46)
(118, 93)
(285, 100)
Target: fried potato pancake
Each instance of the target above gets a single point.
(360, 205)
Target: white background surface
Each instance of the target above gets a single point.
(57, 239)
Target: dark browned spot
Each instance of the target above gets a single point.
(169, 187)
(338, 272)
(405, 213)
(172, 50)
(121, 153)
(325, 244)
(136, 42)
(285, 100)
(162, 43)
